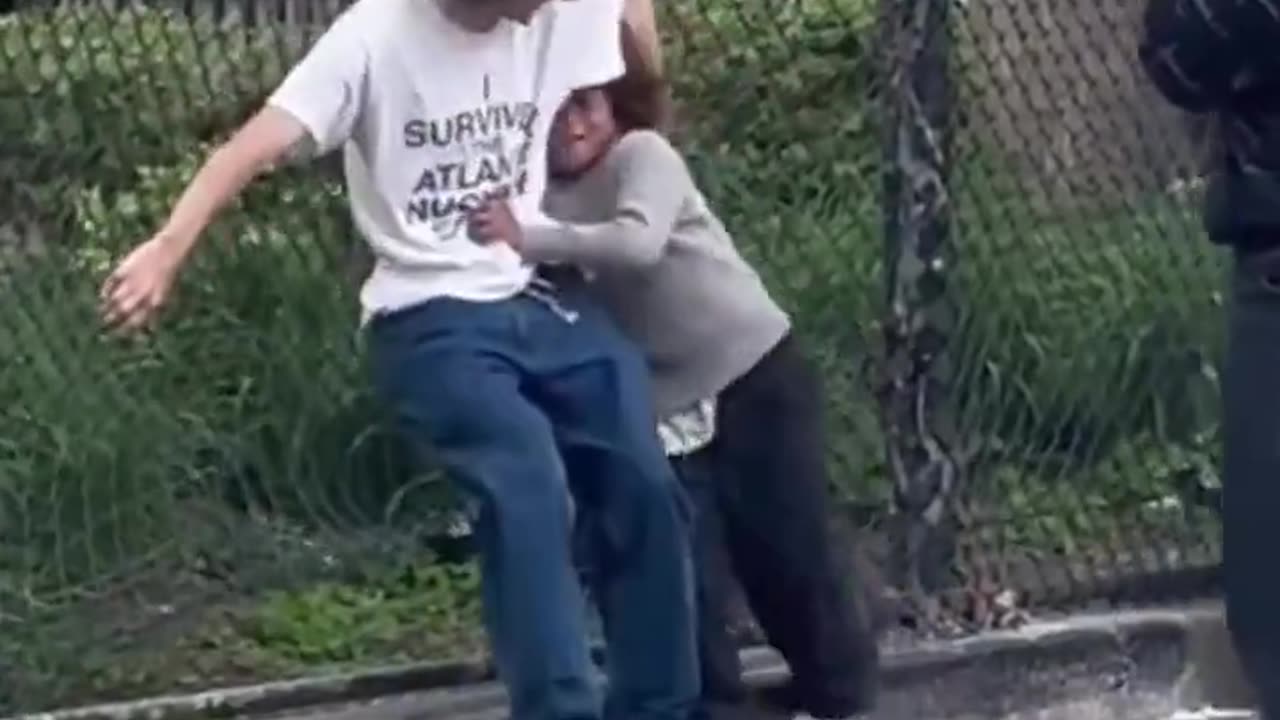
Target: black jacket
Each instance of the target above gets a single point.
(1223, 57)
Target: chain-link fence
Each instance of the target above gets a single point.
(982, 218)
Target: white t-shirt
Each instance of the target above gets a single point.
(432, 119)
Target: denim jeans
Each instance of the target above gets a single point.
(527, 402)
(1251, 473)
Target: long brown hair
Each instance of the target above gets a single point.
(641, 97)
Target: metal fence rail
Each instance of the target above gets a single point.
(982, 219)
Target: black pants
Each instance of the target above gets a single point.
(760, 494)
(1251, 473)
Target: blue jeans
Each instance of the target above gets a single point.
(525, 405)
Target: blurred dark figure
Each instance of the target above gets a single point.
(1221, 58)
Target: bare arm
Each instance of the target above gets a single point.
(260, 144)
(141, 283)
(640, 17)
(315, 108)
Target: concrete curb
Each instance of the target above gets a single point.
(1141, 648)
(274, 697)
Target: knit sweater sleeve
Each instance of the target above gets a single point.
(1198, 52)
(653, 183)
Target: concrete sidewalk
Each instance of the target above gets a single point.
(1130, 665)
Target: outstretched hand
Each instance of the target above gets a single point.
(140, 285)
(493, 222)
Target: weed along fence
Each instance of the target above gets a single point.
(982, 219)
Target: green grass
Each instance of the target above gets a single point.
(391, 614)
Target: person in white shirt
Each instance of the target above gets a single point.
(524, 391)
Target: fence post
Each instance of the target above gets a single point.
(916, 411)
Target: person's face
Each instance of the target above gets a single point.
(582, 132)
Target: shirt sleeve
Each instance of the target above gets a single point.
(653, 183)
(325, 90)
(594, 27)
(1202, 55)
